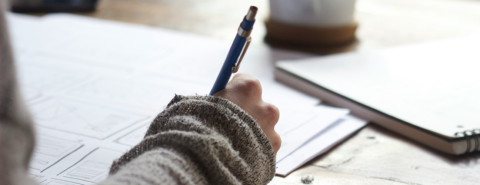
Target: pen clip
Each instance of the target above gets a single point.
(237, 65)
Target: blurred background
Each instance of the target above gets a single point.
(382, 23)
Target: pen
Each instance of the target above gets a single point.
(237, 51)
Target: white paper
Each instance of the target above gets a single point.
(93, 87)
(94, 167)
(319, 144)
(50, 150)
(298, 126)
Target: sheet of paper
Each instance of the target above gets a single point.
(185, 56)
(320, 143)
(62, 157)
(298, 125)
(93, 87)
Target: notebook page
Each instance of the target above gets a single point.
(109, 100)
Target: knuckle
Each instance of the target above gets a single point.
(271, 113)
(276, 143)
(251, 87)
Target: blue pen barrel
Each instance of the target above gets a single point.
(235, 51)
(226, 71)
(247, 25)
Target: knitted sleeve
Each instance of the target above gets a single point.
(198, 140)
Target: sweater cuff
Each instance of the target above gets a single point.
(214, 131)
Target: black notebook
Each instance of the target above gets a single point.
(428, 92)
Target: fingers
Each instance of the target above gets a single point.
(275, 141)
(268, 115)
(243, 90)
(267, 119)
(246, 86)
(246, 91)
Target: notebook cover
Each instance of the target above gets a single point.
(434, 86)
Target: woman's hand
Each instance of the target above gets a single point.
(246, 92)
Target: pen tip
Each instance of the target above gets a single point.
(251, 13)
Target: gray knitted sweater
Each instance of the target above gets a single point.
(195, 140)
(198, 140)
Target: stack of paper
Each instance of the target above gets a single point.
(93, 86)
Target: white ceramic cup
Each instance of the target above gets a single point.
(313, 13)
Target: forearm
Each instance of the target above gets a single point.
(199, 140)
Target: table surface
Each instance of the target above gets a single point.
(373, 155)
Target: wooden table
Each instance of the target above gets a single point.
(373, 155)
